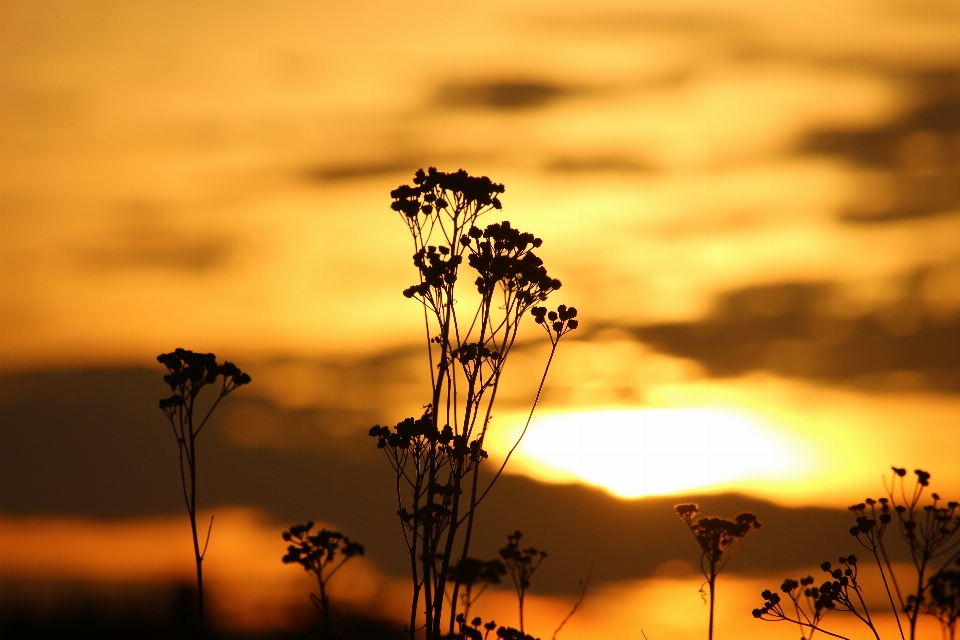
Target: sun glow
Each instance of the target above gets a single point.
(641, 452)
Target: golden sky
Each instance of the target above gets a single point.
(755, 206)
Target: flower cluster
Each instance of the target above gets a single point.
(521, 565)
(556, 323)
(420, 442)
(189, 372)
(943, 600)
(503, 255)
(322, 555)
(417, 436)
(930, 533)
(438, 269)
(717, 536)
(473, 571)
(869, 530)
(471, 631)
(509, 633)
(437, 190)
(719, 539)
(832, 595)
(317, 552)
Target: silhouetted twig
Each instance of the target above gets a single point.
(579, 603)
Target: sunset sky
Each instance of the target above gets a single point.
(755, 206)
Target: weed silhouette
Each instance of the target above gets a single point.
(437, 457)
(943, 601)
(521, 565)
(318, 555)
(930, 534)
(189, 373)
(842, 593)
(719, 540)
(471, 630)
(474, 576)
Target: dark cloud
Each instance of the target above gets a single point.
(143, 241)
(910, 166)
(597, 164)
(93, 443)
(501, 95)
(343, 172)
(789, 329)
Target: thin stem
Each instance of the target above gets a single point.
(813, 627)
(712, 582)
(893, 575)
(207, 543)
(526, 425)
(889, 594)
(577, 604)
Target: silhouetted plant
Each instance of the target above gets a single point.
(943, 601)
(809, 608)
(322, 555)
(930, 535)
(719, 540)
(844, 593)
(437, 457)
(474, 576)
(521, 565)
(189, 373)
(471, 630)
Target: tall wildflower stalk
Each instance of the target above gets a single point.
(719, 540)
(189, 373)
(437, 457)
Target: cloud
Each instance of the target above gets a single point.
(501, 95)
(598, 164)
(145, 241)
(360, 170)
(794, 330)
(908, 167)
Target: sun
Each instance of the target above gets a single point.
(660, 451)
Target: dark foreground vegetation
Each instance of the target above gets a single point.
(78, 610)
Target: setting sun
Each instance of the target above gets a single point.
(642, 452)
